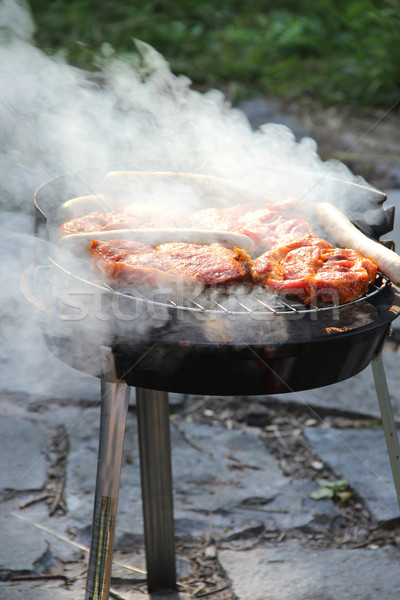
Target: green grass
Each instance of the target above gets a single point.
(342, 52)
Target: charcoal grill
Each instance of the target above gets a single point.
(219, 344)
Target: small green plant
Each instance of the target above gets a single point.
(332, 489)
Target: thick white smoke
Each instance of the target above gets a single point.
(133, 113)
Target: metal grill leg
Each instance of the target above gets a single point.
(114, 407)
(156, 478)
(389, 425)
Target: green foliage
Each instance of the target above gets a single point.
(337, 52)
(332, 489)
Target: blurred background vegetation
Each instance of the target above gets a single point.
(343, 52)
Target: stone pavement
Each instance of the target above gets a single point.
(228, 488)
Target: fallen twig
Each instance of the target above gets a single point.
(210, 593)
(34, 577)
(189, 441)
(116, 595)
(240, 464)
(34, 501)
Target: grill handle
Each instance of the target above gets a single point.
(381, 223)
(25, 285)
(27, 282)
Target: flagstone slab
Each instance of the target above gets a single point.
(293, 573)
(361, 457)
(22, 454)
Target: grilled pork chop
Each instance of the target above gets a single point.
(134, 216)
(311, 268)
(211, 264)
(266, 226)
(221, 219)
(268, 231)
(128, 263)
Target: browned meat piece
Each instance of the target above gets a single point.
(134, 216)
(129, 263)
(311, 268)
(154, 216)
(268, 230)
(268, 226)
(212, 264)
(344, 276)
(220, 219)
(117, 250)
(94, 221)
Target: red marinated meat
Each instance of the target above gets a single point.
(267, 226)
(117, 250)
(211, 264)
(134, 216)
(311, 268)
(267, 235)
(129, 263)
(220, 219)
(346, 274)
(94, 221)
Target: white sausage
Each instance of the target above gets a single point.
(82, 205)
(80, 242)
(346, 235)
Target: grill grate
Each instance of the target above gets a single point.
(238, 302)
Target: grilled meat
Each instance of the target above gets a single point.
(94, 221)
(266, 226)
(131, 263)
(134, 216)
(346, 274)
(128, 263)
(311, 268)
(268, 231)
(212, 264)
(221, 219)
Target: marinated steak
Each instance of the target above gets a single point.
(134, 216)
(310, 268)
(268, 231)
(266, 226)
(212, 264)
(127, 263)
(221, 219)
